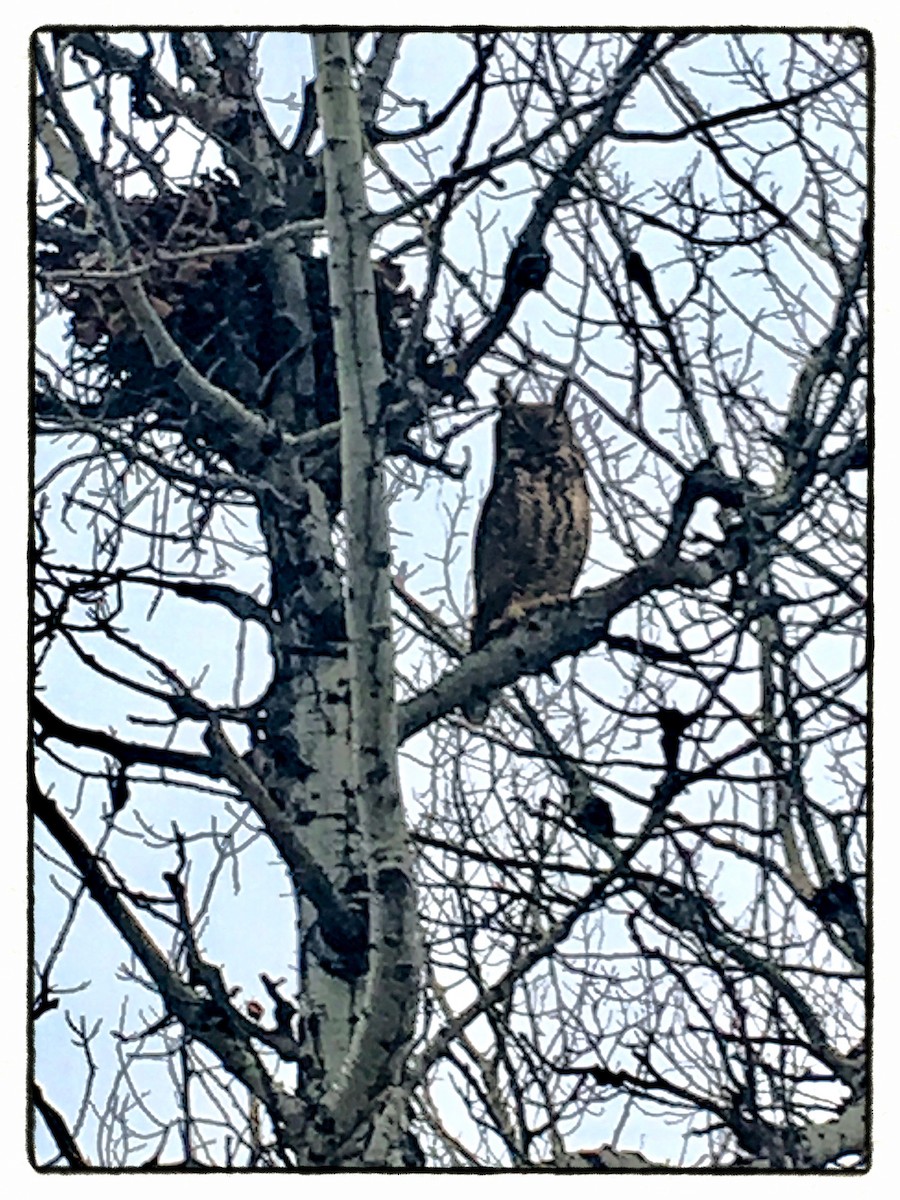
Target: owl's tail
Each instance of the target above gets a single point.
(476, 708)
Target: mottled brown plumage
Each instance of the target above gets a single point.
(535, 523)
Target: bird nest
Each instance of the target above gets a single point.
(214, 296)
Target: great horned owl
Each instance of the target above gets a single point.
(535, 523)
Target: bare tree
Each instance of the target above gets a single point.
(291, 906)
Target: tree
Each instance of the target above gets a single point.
(622, 923)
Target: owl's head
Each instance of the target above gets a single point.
(532, 431)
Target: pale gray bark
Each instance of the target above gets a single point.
(385, 1026)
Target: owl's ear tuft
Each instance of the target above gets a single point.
(559, 396)
(503, 393)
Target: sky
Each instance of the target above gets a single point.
(886, 315)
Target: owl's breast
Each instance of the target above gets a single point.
(553, 530)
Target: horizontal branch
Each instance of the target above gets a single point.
(127, 753)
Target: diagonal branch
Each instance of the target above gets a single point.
(531, 237)
(246, 427)
(564, 628)
(225, 1032)
(59, 1130)
(376, 75)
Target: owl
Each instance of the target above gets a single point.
(535, 523)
